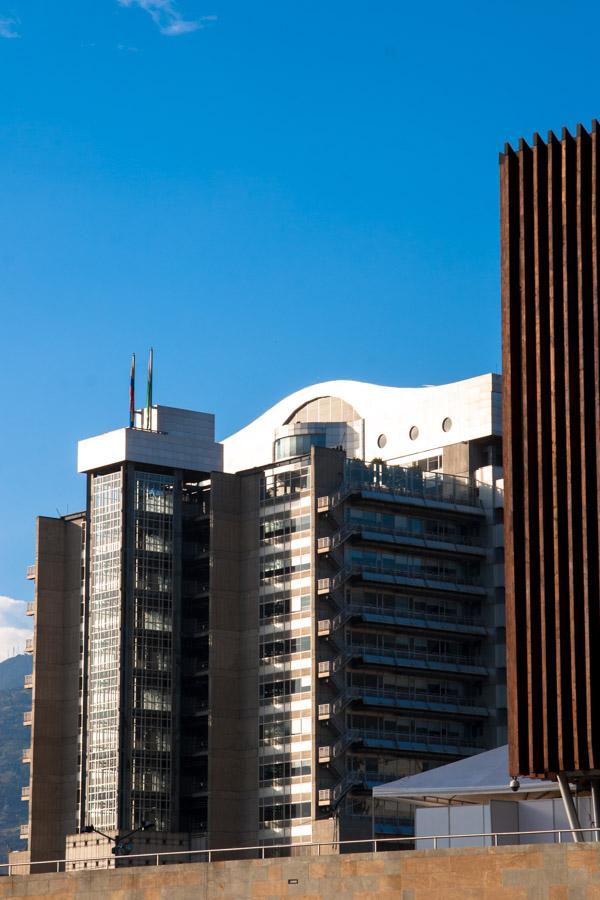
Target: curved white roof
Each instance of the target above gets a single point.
(473, 406)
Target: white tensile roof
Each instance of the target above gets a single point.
(476, 779)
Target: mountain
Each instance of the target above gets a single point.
(13, 671)
(14, 701)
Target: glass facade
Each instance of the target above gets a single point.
(285, 641)
(104, 651)
(298, 445)
(130, 653)
(152, 683)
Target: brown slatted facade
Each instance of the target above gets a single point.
(551, 383)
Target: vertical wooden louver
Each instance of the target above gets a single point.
(551, 384)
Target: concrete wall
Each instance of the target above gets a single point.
(233, 734)
(55, 702)
(560, 872)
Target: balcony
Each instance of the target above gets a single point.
(24, 832)
(27, 717)
(30, 610)
(25, 793)
(412, 698)
(399, 482)
(31, 572)
(443, 619)
(415, 742)
(26, 755)
(416, 574)
(29, 645)
(28, 681)
(419, 659)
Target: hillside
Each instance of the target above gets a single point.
(14, 701)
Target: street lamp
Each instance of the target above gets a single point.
(121, 848)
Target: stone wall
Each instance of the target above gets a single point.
(534, 872)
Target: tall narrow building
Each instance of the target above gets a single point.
(271, 625)
(551, 365)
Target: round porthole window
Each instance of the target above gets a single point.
(381, 441)
(447, 424)
(413, 433)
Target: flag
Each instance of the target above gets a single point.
(132, 392)
(149, 392)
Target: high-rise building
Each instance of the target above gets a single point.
(551, 364)
(252, 633)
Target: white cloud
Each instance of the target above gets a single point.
(167, 17)
(8, 26)
(13, 634)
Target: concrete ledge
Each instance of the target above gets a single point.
(532, 872)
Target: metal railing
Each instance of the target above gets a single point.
(398, 612)
(353, 527)
(316, 848)
(413, 737)
(359, 649)
(414, 572)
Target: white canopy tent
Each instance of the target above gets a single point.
(476, 779)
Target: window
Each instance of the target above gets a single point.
(447, 424)
(381, 441)
(413, 433)
(297, 445)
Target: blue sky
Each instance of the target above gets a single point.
(271, 194)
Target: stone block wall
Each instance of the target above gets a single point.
(532, 872)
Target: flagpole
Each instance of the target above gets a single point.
(149, 392)
(132, 393)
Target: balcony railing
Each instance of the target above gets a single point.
(416, 572)
(27, 717)
(24, 832)
(439, 615)
(410, 482)
(25, 792)
(357, 527)
(414, 695)
(328, 585)
(31, 572)
(30, 609)
(26, 755)
(425, 737)
(397, 655)
(28, 681)
(29, 645)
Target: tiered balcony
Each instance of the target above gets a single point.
(28, 682)
(31, 572)
(30, 610)
(27, 717)
(417, 659)
(29, 645)
(24, 831)
(429, 743)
